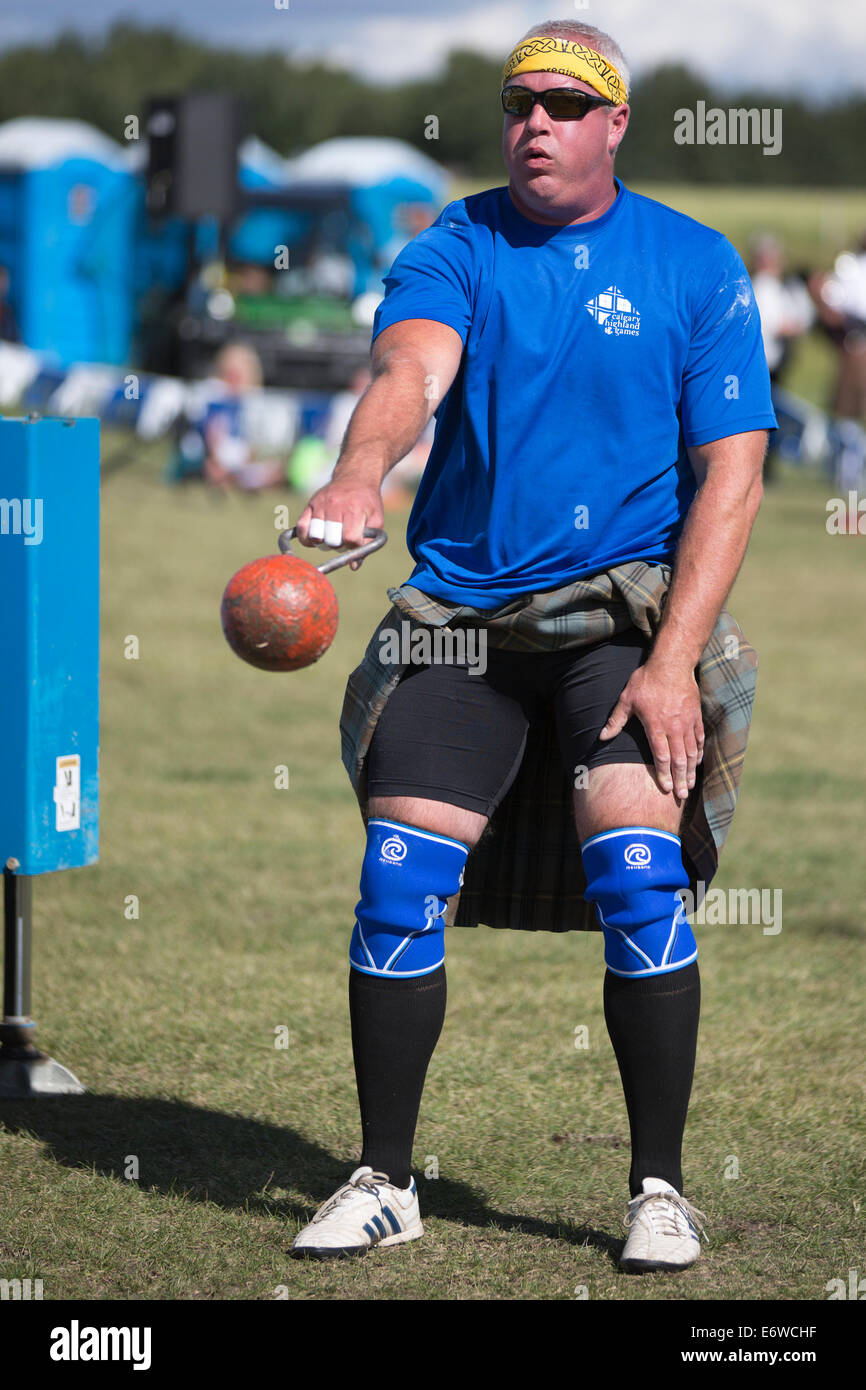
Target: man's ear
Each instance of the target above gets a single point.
(618, 128)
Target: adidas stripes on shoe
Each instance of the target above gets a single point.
(663, 1230)
(366, 1211)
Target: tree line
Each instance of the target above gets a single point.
(292, 105)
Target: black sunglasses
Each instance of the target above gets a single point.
(561, 103)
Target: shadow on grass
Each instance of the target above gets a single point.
(233, 1161)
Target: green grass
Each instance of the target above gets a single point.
(246, 897)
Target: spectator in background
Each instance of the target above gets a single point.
(313, 459)
(840, 299)
(8, 322)
(786, 314)
(229, 461)
(783, 303)
(247, 277)
(211, 437)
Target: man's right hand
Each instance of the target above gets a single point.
(345, 504)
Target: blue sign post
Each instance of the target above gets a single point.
(49, 699)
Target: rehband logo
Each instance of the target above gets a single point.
(394, 849)
(638, 856)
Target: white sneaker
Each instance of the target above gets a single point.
(662, 1229)
(367, 1210)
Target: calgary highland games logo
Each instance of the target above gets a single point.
(615, 313)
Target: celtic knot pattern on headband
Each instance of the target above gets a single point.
(572, 59)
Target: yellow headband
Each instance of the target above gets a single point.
(544, 54)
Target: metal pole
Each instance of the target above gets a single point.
(16, 1030)
(24, 1070)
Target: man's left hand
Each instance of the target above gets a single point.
(667, 702)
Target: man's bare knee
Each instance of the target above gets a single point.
(439, 816)
(620, 794)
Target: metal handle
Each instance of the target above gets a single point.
(377, 540)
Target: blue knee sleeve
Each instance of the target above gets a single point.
(632, 876)
(407, 878)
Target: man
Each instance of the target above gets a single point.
(786, 314)
(840, 299)
(595, 364)
(784, 304)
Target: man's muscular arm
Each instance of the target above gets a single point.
(413, 364)
(663, 693)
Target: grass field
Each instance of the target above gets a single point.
(200, 1145)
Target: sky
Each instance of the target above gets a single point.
(816, 49)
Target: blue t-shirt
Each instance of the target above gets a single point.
(593, 354)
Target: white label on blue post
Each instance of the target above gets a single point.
(67, 792)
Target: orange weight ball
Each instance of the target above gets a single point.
(279, 613)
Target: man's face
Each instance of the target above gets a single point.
(549, 160)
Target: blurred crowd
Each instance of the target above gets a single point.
(213, 445)
(791, 304)
(212, 442)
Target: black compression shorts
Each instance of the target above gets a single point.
(446, 734)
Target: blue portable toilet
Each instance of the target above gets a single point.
(394, 191)
(257, 233)
(66, 216)
(254, 235)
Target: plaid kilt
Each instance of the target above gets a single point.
(526, 871)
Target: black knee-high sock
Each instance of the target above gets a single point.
(395, 1027)
(653, 1025)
